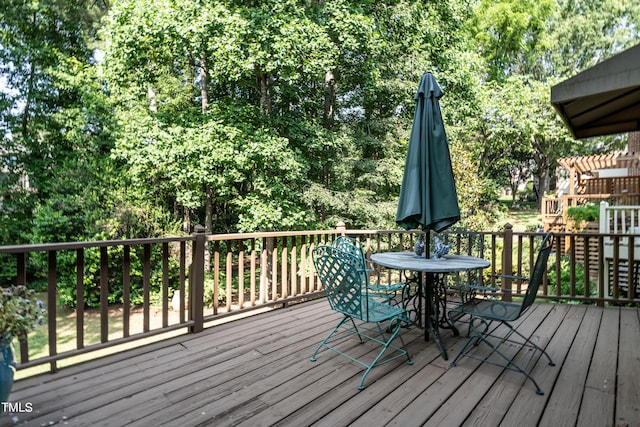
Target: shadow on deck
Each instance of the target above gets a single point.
(256, 371)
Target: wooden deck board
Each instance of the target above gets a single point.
(564, 405)
(502, 386)
(556, 335)
(628, 389)
(598, 400)
(489, 401)
(256, 372)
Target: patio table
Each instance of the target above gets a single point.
(433, 290)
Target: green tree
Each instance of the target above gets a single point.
(56, 135)
(512, 35)
(586, 32)
(218, 140)
(527, 46)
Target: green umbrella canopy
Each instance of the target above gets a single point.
(428, 196)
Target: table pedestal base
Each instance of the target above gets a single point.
(431, 292)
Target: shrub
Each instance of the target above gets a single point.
(565, 279)
(586, 213)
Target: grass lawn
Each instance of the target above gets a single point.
(526, 217)
(66, 320)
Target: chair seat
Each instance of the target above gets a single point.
(380, 311)
(490, 309)
(393, 287)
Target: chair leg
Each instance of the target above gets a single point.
(471, 340)
(333, 331)
(510, 364)
(530, 344)
(386, 344)
(372, 334)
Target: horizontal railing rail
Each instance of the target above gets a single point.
(612, 185)
(201, 278)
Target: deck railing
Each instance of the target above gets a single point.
(554, 209)
(206, 277)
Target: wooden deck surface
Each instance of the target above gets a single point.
(256, 372)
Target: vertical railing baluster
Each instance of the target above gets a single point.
(51, 307)
(196, 281)
(507, 261)
(587, 272)
(229, 274)
(284, 271)
(104, 294)
(80, 298)
(252, 279)
(165, 284)
(146, 287)
(274, 268)
(183, 279)
(241, 274)
(263, 271)
(616, 266)
(304, 276)
(572, 268)
(519, 265)
(294, 266)
(21, 280)
(126, 291)
(216, 276)
(21, 270)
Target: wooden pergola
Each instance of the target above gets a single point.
(578, 166)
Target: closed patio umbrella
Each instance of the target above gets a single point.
(428, 196)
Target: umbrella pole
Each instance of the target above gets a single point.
(427, 244)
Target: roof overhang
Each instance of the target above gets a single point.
(604, 99)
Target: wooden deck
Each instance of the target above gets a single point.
(256, 372)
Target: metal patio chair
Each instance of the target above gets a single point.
(345, 285)
(484, 308)
(388, 292)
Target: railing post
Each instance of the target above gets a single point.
(507, 261)
(196, 282)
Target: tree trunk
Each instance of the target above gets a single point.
(543, 173)
(151, 94)
(264, 91)
(26, 111)
(204, 74)
(186, 220)
(330, 89)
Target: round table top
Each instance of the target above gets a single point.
(410, 261)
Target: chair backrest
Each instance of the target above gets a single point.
(343, 279)
(537, 274)
(352, 246)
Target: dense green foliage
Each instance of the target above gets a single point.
(565, 280)
(136, 118)
(588, 212)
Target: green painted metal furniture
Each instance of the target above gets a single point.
(345, 284)
(388, 292)
(484, 309)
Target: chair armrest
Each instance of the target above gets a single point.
(507, 276)
(470, 292)
(482, 288)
